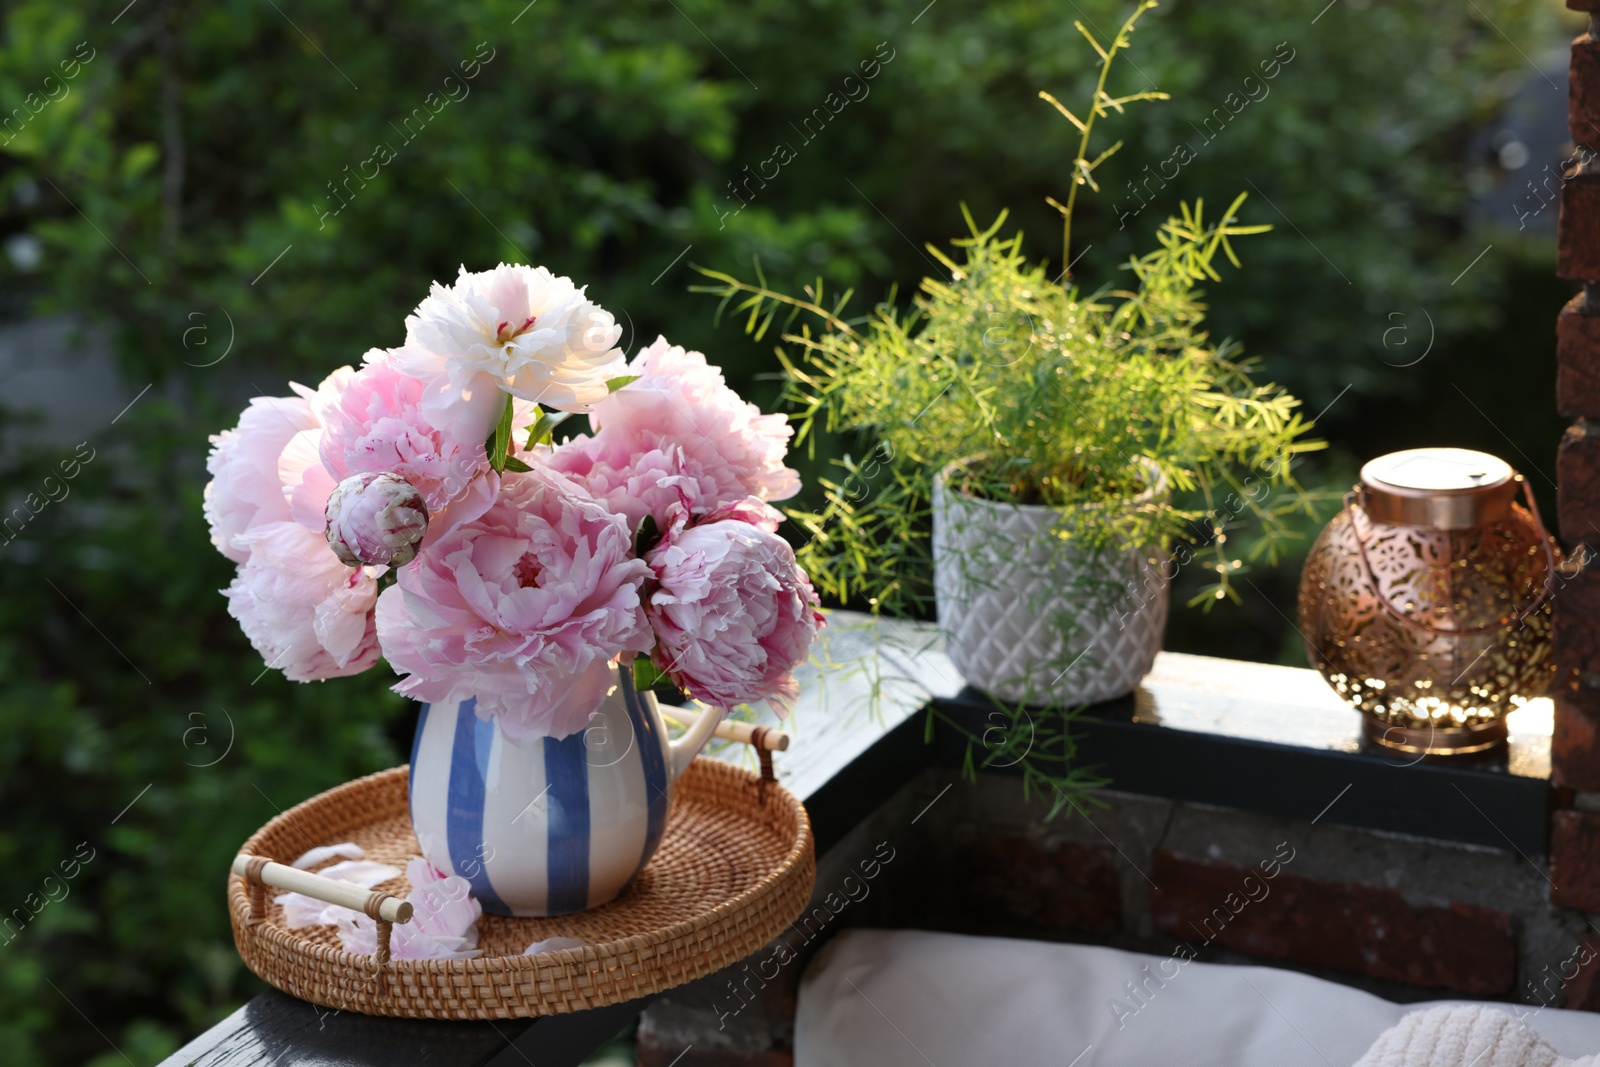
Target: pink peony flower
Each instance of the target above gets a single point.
(734, 614)
(522, 608)
(244, 491)
(377, 425)
(376, 519)
(302, 477)
(630, 485)
(443, 926)
(304, 611)
(678, 435)
(750, 510)
(515, 329)
(308, 615)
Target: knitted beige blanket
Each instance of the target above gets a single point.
(1465, 1035)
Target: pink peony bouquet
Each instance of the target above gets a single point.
(417, 509)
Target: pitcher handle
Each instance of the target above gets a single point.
(687, 747)
(700, 728)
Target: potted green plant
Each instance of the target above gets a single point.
(1050, 456)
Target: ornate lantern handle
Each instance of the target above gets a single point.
(1351, 503)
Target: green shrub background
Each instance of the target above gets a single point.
(599, 140)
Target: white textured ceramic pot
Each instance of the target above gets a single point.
(553, 826)
(1012, 605)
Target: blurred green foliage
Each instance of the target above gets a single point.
(186, 168)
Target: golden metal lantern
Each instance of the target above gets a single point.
(1426, 601)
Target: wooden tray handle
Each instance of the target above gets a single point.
(260, 873)
(766, 739)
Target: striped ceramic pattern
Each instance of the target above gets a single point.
(546, 828)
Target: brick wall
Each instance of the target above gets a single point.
(1404, 918)
(1575, 829)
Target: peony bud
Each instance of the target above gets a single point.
(376, 518)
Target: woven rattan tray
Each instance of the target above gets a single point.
(735, 868)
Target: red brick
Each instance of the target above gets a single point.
(741, 1016)
(740, 998)
(1583, 92)
(1578, 228)
(1356, 928)
(1575, 860)
(1575, 631)
(1578, 483)
(1575, 748)
(1068, 887)
(1578, 361)
(1577, 976)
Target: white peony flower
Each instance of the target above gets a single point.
(515, 329)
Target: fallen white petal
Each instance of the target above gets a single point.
(443, 926)
(301, 910)
(364, 873)
(323, 853)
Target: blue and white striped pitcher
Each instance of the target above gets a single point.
(553, 826)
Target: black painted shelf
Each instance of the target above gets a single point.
(1278, 741)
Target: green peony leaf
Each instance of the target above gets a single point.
(645, 674)
(499, 445)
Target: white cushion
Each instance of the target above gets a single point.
(887, 998)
